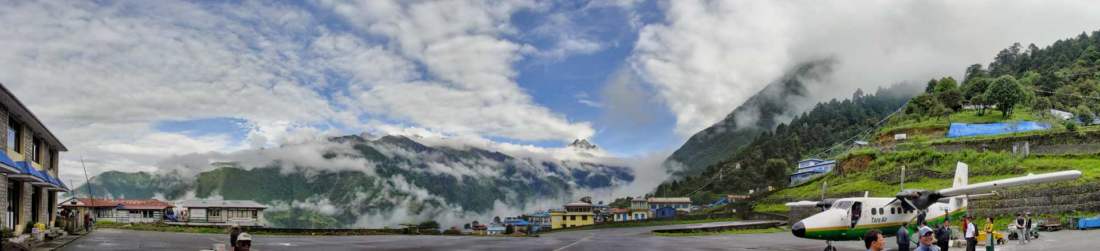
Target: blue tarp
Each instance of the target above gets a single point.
(1087, 223)
(966, 130)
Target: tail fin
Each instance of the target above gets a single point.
(961, 179)
(961, 170)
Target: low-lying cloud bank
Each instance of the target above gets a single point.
(363, 181)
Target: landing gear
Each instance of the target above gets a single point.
(829, 246)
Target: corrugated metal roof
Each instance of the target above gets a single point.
(120, 203)
(220, 203)
(670, 200)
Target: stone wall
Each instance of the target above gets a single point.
(1040, 200)
(1047, 144)
(3, 199)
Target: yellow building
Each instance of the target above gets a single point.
(576, 214)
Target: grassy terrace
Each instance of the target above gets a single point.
(965, 116)
(158, 227)
(930, 169)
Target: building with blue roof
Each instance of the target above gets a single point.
(808, 169)
(29, 166)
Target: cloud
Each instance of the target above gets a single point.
(707, 57)
(102, 74)
(471, 86)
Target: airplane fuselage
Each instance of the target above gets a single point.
(836, 223)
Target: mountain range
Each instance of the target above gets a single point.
(353, 181)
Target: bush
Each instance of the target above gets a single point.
(1070, 126)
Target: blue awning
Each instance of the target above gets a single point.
(7, 164)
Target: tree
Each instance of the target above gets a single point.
(1084, 114)
(974, 91)
(429, 225)
(1006, 92)
(776, 169)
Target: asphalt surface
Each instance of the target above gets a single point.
(600, 239)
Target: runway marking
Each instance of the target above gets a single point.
(589, 237)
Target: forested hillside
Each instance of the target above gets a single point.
(771, 154)
(758, 114)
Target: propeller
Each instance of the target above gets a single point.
(916, 199)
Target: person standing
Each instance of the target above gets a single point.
(1027, 227)
(874, 241)
(943, 235)
(234, 233)
(989, 231)
(926, 240)
(88, 222)
(1020, 228)
(971, 234)
(903, 237)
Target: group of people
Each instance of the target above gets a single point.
(929, 239)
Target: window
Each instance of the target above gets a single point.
(254, 216)
(584, 217)
(36, 151)
(213, 212)
(891, 210)
(572, 217)
(15, 132)
(881, 211)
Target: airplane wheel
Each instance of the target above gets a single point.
(830, 248)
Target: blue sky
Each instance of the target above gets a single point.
(569, 84)
(126, 84)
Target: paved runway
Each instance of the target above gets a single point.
(601, 239)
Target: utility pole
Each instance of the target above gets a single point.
(87, 181)
(902, 178)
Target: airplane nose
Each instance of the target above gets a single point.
(798, 229)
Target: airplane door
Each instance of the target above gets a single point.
(856, 212)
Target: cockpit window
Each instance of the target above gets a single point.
(842, 205)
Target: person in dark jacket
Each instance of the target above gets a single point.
(943, 235)
(903, 237)
(234, 232)
(1027, 227)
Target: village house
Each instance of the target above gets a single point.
(117, 210)
(677, 203)
(220, 213)
(620, 214)
(29, 165)
(576, 214)
(639, 209)
(809, 169)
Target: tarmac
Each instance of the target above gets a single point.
(639, 238)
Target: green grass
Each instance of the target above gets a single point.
(727, 232)
(770, 208)
(648, 223)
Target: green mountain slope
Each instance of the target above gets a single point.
(758, 114)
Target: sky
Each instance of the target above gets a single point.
(125, 84)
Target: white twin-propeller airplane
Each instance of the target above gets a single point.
(850, 218)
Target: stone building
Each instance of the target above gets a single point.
(29, 166)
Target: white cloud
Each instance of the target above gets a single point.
(707, 57)
(102, 74)
(471, 88)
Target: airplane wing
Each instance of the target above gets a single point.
(986, 187)
(824, 204)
